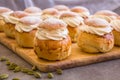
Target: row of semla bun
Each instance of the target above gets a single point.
(52, 31)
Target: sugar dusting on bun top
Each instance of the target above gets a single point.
(82, 11)
(79, 9)
(19, 14)
(32, 10)
(96, 22)
(109, 13)
(50, 11)
(4, 9)
(61, 8)
(52, 24)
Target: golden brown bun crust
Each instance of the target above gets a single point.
(9, 30)
(32, 10)
(19, 14)
(52, 24)
(68, 14)
(53, 50)
(106, 12)
(73, 33)
(92, 43)
(2, 22)
(116, 37)
(25, 39)
(96, 22)
(3, 9)
(61, 8)
(51, 11)
(79, 9)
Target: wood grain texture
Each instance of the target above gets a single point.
(78, 58)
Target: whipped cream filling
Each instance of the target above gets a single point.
(116, 25)
(58, 34)
(98, 31)
(73, 21)
(20, 27)
(84, 14)
(10, 19)
(35, 14)
(45, 16)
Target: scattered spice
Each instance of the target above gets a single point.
(59, 71)
(3, 76)
(17, 69)
(50, 75)
(37, 74)
(15, 79)
(12, 66)
(8, 62)
(30, 72)
(3, 59)
(24, 70)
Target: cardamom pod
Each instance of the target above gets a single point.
(15, 79)
(8, 62)
(24, 70)
(59, 71)
(50, 75)
(30, 72)
(3, 59)
(3, 76)
(17, 69)
(12, 66)
(37, 74)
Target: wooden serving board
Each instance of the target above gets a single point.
(78, 58)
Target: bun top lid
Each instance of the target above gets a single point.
(61, 8)
(4, 9)
(52, 24)
(50, 11)
(32, 10)
(30, 20)
(96, 22)
(107, 13)
(79, 9)
(19, 14)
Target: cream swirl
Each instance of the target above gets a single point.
(73, 21)
(20, 27)
(84, 14)
(116, 25)
(58, 34)
(10, 19)
(45, 16)
(99, 31)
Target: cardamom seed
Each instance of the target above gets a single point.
(15, 79)
(3, 76)
(59, 71)
(50, 75)
(37, 74)
(17, 69)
